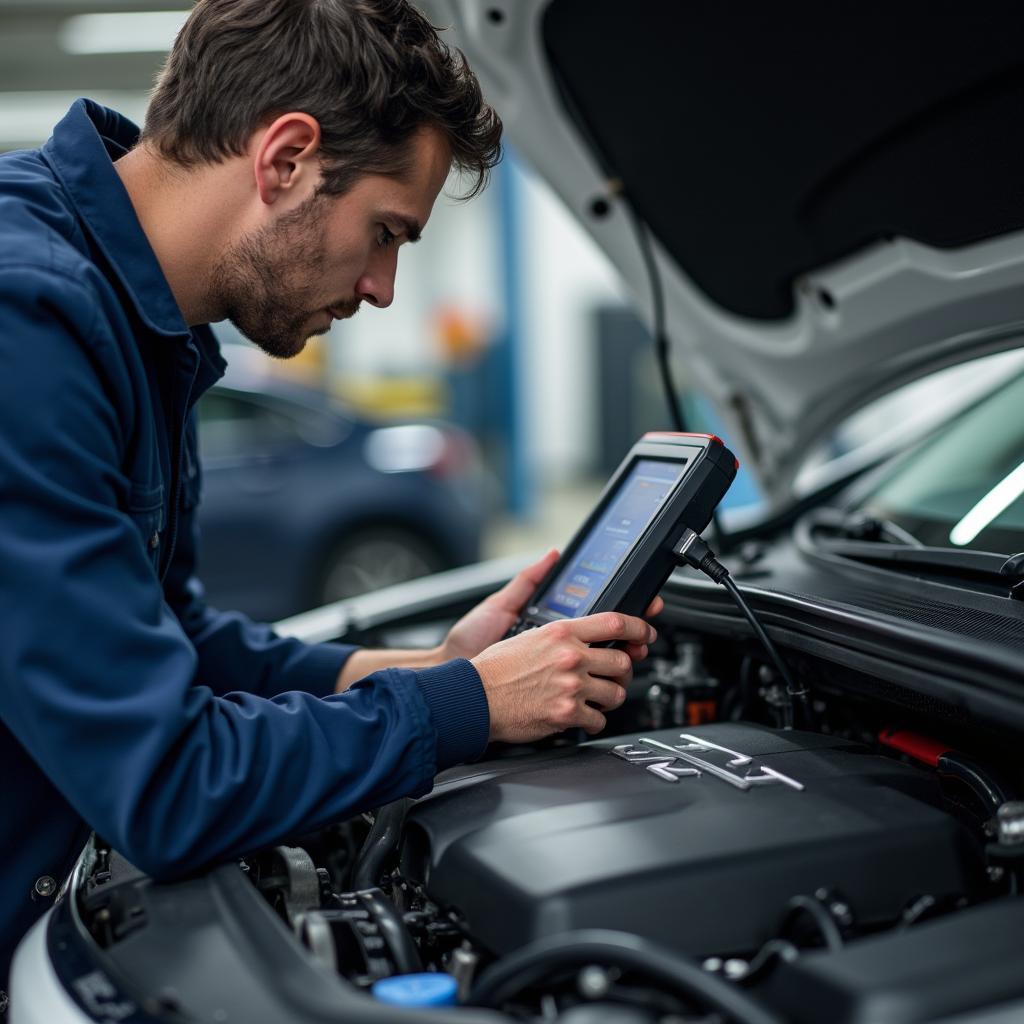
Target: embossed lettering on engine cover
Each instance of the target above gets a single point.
(693, 757)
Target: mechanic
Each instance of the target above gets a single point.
(290, 148)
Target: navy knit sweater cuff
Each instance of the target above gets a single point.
(458, 709)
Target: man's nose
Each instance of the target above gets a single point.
(377, 284)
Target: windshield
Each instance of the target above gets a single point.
(964, 486)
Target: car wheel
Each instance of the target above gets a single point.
(371, 559)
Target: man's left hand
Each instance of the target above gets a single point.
(477, 630)
(490, 620)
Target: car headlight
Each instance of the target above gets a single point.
(410, 448)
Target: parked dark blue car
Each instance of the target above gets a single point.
(305, 503)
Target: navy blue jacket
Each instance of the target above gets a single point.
(179, 733)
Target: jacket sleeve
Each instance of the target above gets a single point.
(234, 653)
(98, 680)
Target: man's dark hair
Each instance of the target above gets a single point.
(372, 73)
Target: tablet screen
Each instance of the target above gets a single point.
(629, 512)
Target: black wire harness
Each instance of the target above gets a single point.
(659, 329)
(534, 963)
(661, 343)
(695, 552)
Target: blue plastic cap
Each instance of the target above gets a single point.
(417, 990)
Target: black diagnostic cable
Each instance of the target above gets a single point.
(696, 553)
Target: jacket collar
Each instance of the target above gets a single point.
(81, 151)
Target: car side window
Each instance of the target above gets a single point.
(232, 425)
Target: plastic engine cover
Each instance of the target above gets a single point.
(699, 847)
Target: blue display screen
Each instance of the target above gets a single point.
(631, 509)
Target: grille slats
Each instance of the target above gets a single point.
(987, 627)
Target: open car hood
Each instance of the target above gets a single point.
(836, 198)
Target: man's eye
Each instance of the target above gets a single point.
(385, 237)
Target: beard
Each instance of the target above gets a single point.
(264, 282)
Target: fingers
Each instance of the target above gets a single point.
(591, 720)
(605, 661)
(604, 693)
(517, 591)
(536, 572)
(656, 607)
(607, 626)
(636, 652)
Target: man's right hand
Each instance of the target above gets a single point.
(539, 682)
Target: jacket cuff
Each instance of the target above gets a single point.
(320, 667)
(455, 697)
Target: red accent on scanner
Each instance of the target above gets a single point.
(687, 433)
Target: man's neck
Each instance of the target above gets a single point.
(185, 226)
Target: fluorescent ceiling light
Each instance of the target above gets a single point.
(132, 32)
(993, 505)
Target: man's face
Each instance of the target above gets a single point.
(289, 280)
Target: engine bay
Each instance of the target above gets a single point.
(698, 862)
(757, 853)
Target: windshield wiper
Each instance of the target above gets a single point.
(960, 563)
(861, 526)
(1014, 567)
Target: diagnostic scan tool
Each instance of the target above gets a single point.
(622, 555)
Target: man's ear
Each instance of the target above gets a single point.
(287, 157)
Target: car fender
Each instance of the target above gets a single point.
(37, 995)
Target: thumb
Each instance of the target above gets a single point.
(517, 591)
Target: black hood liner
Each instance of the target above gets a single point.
(761, 141)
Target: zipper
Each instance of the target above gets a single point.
(179, 435)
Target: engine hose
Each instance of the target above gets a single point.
(950, 764)
(954, 765)
(380, 844)
(400, 942)
(529, 965)
(818, 913)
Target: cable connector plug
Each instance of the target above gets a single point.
(697, 554)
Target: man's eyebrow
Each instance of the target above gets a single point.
(410, 226)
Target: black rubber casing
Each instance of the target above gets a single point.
(711, 469)
(949, 966)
